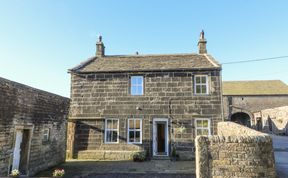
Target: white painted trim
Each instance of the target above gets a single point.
(203, 119)
(134, 130)
(105, 131)
(207, 85)
(166, 136)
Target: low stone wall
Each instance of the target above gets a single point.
(236, 151)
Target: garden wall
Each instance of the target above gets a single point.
(236, 151)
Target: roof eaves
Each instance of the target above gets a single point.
(212, 60)
(151, 70)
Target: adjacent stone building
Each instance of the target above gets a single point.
(122, 104)
(262, 105)
(32, 128)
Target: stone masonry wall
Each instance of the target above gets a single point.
(21, 105)
(251, 104)
(236, 152)
(97, 96)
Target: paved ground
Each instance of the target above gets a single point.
(280, 144)
(119, 169)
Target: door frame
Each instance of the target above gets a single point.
(155, 120)
(21, 128)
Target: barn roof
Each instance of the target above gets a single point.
(123, 63)
(258, 87)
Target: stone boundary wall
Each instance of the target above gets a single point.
(236, 151)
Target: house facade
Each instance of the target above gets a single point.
(262, 104)
(122, 104)
(32, 128)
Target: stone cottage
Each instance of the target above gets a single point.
(262, 104)
(32, 128)
(121, 104)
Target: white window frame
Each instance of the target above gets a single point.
(46, 134)
(137, 85)
(198, 128)
(106, 130)
(128, 129)
(201, 84)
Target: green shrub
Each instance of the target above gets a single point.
(139, 156)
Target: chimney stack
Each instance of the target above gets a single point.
(100, 48)
(202, 44)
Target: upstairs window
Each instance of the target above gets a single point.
(46, 135)
(201, 85)
(111, 130)
(202, 126)
(136, 85)
(135, 131)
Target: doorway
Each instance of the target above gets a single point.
(22, 150)
(160, 137)
(241, 118)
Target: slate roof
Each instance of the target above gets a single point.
(147, 63)
(260, 87)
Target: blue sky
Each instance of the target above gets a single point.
(40, 40)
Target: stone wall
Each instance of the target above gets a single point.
(274, 120)
(97, 96)
(236, 152)
(25, 107)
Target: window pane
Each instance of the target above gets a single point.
(137, 136)
(199, 132)
(139, 80)
(131, 124)
(198, 80)
(108, 136)
(131, 136)
(139, 90)
(114, 136)
(204, 90)
(133, 81)
(109, 124)
(205, 132)
(115, 124)
(203, 79)
(137, 124)
(205, 123)
(198, 89)
(133, 90)
(199, 123)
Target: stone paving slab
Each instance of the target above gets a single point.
(143, 175)
(76, 168)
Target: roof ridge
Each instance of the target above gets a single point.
(252, 80)
(145, 55)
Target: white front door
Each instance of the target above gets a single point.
(17, 149)
(160, 137)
